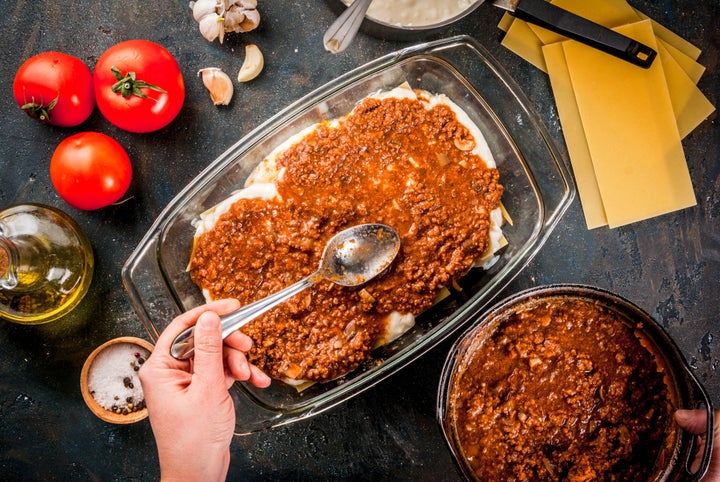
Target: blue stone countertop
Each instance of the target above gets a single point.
(668, 265)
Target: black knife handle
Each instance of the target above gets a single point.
(544, 14)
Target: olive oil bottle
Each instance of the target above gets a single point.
(46, 264)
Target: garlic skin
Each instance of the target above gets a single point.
(252, 65)
(211, 27)
(201, 9)
(217, 17)
(218, 83)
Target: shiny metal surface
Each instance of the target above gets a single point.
(352, 257)
(343, 30)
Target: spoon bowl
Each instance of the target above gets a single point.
(351, 257)
(354, 256)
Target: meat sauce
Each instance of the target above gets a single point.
(391, 161)
(561, 389)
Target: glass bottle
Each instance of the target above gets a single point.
(46, 264)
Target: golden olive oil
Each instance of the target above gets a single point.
(46, 264)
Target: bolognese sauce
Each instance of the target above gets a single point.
(391, 160)
(560, 389)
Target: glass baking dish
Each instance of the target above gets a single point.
(538, 190)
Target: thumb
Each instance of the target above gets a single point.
(208, 359)
(694, 421)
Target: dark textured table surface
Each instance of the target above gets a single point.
(669, 265)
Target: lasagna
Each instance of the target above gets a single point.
(406, 158)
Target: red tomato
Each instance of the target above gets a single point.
(139, 86)
(56, 88)
(90, 170)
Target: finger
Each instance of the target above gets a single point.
(237, 365)
(187, 319)
(239, 341)
(242, 371)
(225, 306)
(208, 367)
(258, 378)
(694, 421)
(713, 472)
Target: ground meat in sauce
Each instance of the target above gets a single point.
(562, 390)
(391, 161)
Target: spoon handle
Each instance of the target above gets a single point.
(340, 34)
(242, 316)
(184, 346)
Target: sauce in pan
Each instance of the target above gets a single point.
(560, 389)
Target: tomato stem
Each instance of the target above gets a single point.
(39, 111)
(129, 85)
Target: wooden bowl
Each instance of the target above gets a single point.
(94, 406)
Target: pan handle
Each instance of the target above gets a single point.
(545, 14)
(691, 445)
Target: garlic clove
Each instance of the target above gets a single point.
(218, 83)
(211, 27)
(202, 8)
(253, 64)
(233, 19)
(251, 21)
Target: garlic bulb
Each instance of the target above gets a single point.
(216, 17)
(218, 83)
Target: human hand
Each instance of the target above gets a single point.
(190, 409)
(695, 422)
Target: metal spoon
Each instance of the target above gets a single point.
(342, 31)
(351, 257)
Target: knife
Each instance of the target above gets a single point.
(545, 14)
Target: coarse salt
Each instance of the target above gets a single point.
(112, 377)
